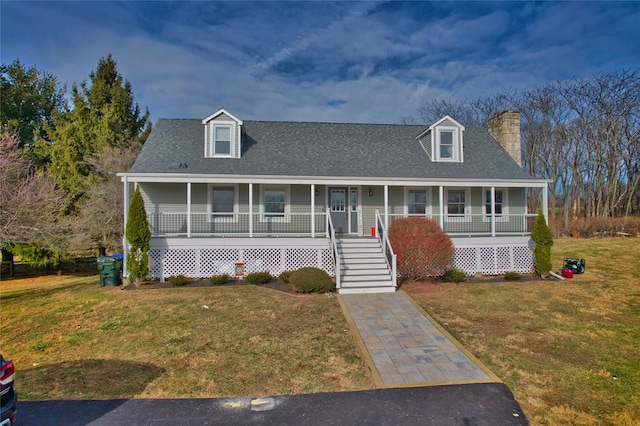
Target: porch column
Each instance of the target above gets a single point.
(125, 243)
(188, 209)
(545, 203)
(386, 207)
(441, 195)
(493, 211)
(313, 210)
(250, 210)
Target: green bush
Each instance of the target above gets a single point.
(219, 279)
(454, 276)
(512, 276)
(542, 236)
(311, 280)
(178, 280)
(284, 276)
(258, 278)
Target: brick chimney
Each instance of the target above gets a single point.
(505, 128)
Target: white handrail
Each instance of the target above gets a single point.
(383, 237)
(334, 248)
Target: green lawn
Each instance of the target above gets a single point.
(569, 350)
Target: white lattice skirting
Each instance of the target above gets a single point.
(210, 257)
(495, 257)
(204, 262)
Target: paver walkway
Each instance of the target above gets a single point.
(407, 348)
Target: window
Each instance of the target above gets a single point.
(275, 203)
(456, 202)
(447, 144)
(222, 202)
(500, 204)
(222, 141)
(416, 202)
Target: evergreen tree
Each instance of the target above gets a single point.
(542, 236)
(28, 97)
(104, 114)
(138, 237)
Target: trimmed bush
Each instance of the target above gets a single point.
(541, 235)
(284, 276)
(454, 276)
(512, 276)
(258, 278)
(178, 280)
(311, 280)
(219, 279)
(422, 248)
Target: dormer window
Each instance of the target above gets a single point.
(447, 144)
(222, 135)
(221, 140)
(443, 141)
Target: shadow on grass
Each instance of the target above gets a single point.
(87, 379)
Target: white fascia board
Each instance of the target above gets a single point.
(222, 111)
(331, 180)
(434, 125)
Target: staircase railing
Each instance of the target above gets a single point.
(334, 249)
(387, 250)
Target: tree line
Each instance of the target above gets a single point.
(60, 152)
(581, 134)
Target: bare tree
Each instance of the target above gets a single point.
(29, 202)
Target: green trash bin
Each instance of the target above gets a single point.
(110, 271)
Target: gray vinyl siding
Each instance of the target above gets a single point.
(517, 200)
(164, 197)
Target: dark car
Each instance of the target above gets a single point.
(8, 394)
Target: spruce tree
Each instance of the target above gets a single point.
(138, 236)
(542, 236)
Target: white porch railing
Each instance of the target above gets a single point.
(331, 231)
(387, 250)
(237, 224)
(479, 224)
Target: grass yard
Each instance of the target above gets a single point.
(569, 350)
(72, 339)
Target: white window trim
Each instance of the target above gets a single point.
(210, 145)
(236, 205)
(455, 158)
(428, 209)
(467, 205)
(287, 203)
(504, 217)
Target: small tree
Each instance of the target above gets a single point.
(422, 248)
(541, 235)
(138, 236)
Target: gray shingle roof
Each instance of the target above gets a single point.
(322, 150)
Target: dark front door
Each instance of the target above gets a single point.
(338, 206)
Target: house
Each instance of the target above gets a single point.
(225, 195)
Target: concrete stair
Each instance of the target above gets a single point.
(363, 267)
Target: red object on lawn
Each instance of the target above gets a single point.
(567, 273)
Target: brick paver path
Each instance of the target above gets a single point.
(405, 347)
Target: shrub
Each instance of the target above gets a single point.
(219, 279)
(454, 276)
(258, 278)
(541, 235)
(422, 248)
(138, 236)
(311, 280)
(178, 280)
(512, 276)
(284, 276)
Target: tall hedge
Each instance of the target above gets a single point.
(138, 236)
(422, 248)
(542, 236)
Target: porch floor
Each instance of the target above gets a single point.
(403, 346)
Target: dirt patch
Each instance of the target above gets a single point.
(436, 285)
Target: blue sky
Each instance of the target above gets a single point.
(321, 61)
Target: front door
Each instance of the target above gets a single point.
(343, 205)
